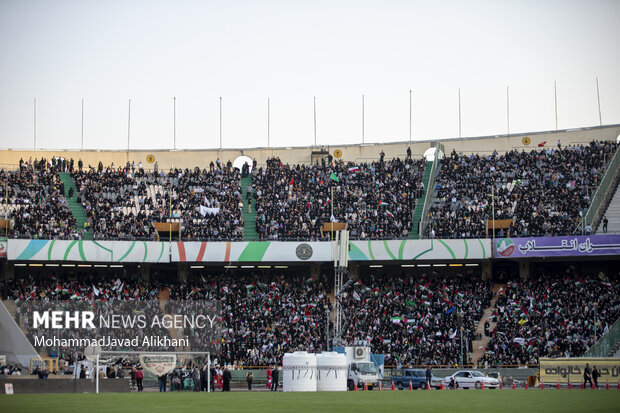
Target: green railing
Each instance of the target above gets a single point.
(430, 190)
(601, 191)
(607, 342)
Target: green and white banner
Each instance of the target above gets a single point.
(245, 251)
(242, 251)
(88, 251)
(420, 249)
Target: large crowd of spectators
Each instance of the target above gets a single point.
(415, 320)
(411, 319)
(123, 203)
(376, 199)
(86, 292)
(33, 198)
(551, 316)
(264, 316)
(544, 192)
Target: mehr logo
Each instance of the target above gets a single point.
(505, 247)
(303, 251)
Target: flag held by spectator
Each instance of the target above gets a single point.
(334, 177)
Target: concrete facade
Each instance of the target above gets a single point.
(9, 159)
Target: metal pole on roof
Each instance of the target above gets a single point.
(507, 111)
(460, 113)
(410, 114)
(555, 91)
(128, 124)
(174, 124)
(314, 120)
(363, 120)
(35, 123)
(82, 144)
(598, 96)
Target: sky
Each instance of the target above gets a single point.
(290, 52)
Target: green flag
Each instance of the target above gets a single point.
(334, 177)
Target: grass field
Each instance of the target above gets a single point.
(400, 401)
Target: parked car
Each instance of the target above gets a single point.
(467, 379)
(417, 377)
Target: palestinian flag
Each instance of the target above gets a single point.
(383, 203)
(426, 303)
(295, 319)
(396, 320)
(250, 287)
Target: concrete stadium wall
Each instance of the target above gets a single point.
(303, 155)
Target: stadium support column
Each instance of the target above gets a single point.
(145, 271)
(8, 271)
(182, 272)
(524, 270)
(487, 270)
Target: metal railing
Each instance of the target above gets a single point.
(607, 342)
(429, 191)
(599, 196)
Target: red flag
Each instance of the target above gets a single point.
(540, 145)
(292, 182)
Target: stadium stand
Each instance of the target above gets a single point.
(122, 204)
(35, 202)
(551, 315)
(376, 200)
(542, 191)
